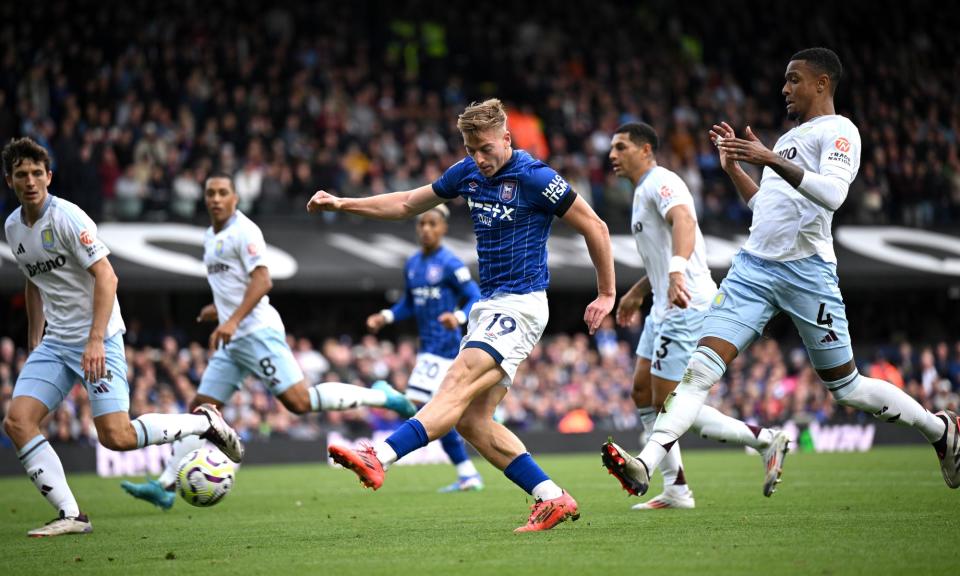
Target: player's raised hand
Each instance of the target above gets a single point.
(375, 322)
(94, 361)
(597, 311)
(628, 310)
(677, 294)
(323, 201)
(718, 134)
(749, 149)
(223, 334)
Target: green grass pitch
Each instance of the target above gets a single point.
(883, 512)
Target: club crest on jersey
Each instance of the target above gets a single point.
(218, 248)
(434, 274)
(508, 190)
(46, 238)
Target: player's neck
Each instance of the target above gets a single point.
(219, 226)
(428, 250)
(824, 109)
(644, 170)
(33, 212)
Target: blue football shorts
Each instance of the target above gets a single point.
(669, 343)
(263, 353)
(54, 367)
(807, 290)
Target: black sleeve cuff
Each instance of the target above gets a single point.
(565, 204)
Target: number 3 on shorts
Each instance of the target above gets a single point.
(507, 324)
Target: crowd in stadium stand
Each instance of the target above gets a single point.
(294, 97)
(569, 383)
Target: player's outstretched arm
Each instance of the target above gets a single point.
(35, 317)
(594, 230)
(94, 359)
(392, 206)
(259, 286)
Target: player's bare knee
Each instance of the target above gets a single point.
(15, 426)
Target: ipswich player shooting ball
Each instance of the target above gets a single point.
(205, 476)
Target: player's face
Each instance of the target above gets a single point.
(29, 180)
(221, 199)
(490, 149)
(800, 88)
(431, 227)
(627, 158)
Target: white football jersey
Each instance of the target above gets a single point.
(659, 191)
(230, 256)
(54, 255)
(786, 225)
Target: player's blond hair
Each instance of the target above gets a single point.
(481, 116)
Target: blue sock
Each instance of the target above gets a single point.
(408, 437)
(454, 447)
(525, 473)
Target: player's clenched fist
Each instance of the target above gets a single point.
(322, 201)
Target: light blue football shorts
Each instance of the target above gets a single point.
(807, 290)
(263, 353)
(54, 367)
(669, 343)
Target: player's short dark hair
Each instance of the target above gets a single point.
(223, 175)
(640, 133)
(824, 61)
(20, 149)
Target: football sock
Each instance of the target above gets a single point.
(45, 470)
(715, 425)
(525, 473)
(466, 469)
(453, 445)
(340, 396)
(683, 405)
(672, 463)
(647, 417)
(181, 448)
(886, 402)
(404, 440)
(165, 428)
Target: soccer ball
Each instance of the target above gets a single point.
(205, 476)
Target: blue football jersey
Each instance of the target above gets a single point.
(512, 213)
(436, 283)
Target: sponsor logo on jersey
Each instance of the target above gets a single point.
(217, 268)
(637, 227)
(472, 186)
(46, 238)
(555, 189)
(487, 212)
(423, 293)
(86, 238)
(462, 274)
(44, 266)
(788, 153)
(434, 274)
(253, 249)
(508, 190)
(665, 192)
(839, 158)
(842, 144)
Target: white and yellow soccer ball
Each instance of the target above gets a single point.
(205, 476)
